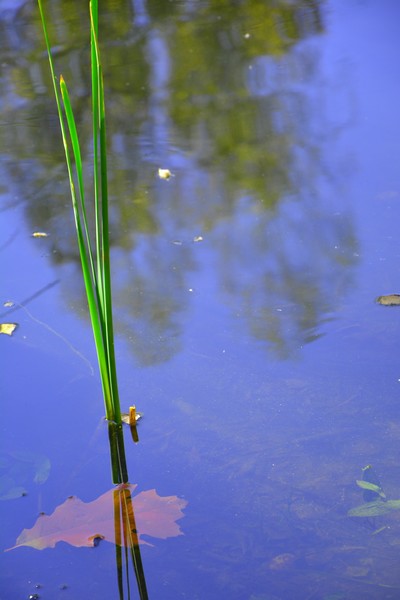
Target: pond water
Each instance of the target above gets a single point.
(244, 293)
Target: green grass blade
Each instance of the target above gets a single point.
(57, 97)
(100, 174)
(87, 264)
(61, 120)
(93, 9)
(79, 170)
(73, 134)
(83, 240)
(106, 248)
(95, 268)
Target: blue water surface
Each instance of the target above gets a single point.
(244, 295)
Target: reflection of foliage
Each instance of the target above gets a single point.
(219, 93)
(287, 295)
(148, 306)
(213, 60)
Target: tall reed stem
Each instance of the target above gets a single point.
(94, 256)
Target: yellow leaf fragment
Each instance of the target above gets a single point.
(165, 174)
(39, 234)
(8, 328)
(389, 300)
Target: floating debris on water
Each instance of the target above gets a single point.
(8, 328)
(165, 174)
(389, 300)
(127, 417)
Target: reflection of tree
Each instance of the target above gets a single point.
(298, 272)
(150, 308)
(219, 94)
(212, 99)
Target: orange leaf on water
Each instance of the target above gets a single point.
(85, 523)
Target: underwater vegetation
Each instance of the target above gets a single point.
(376, 503)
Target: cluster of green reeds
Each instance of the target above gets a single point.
(94, 254)
(95, 262)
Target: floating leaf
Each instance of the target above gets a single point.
(8, 304)
(165, 174)
(389, 300)
(82, 524)
(198, 238)
(374, 509)
(8, 328)
(40, 234)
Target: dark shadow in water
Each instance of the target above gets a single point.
(126, 534)
(130, 547)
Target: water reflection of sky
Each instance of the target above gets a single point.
(267, 375)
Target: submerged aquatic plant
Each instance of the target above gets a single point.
(375, 501)
(94, 254)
